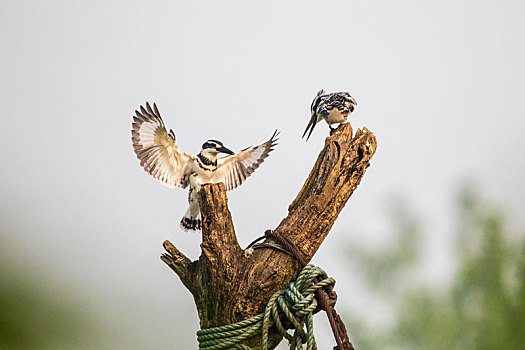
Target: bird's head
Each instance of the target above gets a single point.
(214, 147)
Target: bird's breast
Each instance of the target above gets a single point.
(201, 175)
(335, 115)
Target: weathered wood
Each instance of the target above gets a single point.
(229, 287)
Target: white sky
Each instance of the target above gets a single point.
(440, 83)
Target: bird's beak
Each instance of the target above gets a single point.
(224, 150)
(311, 126)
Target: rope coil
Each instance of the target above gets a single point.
(294, 305)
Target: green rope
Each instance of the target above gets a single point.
(296, 304)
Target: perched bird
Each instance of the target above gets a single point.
(333, 108)
(160, 157)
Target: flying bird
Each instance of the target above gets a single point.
(333, 108)
(160, 157)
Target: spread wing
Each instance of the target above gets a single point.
(233, 170)
(157, 151)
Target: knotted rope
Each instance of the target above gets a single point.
(294, 305)
(326, 300)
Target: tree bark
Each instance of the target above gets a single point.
(229, 287)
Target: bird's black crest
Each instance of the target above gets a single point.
(316, 101)
(212, 144)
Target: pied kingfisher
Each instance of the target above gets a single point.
(160, 157)
(333, 108)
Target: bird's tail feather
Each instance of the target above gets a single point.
(191, 222)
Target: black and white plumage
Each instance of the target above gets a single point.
(160, 157)
(333, 108)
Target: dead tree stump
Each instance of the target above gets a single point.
(227, 286)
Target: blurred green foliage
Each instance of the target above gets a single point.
(483, 307)
(31, 317)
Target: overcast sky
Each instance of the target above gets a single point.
(440, 83)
